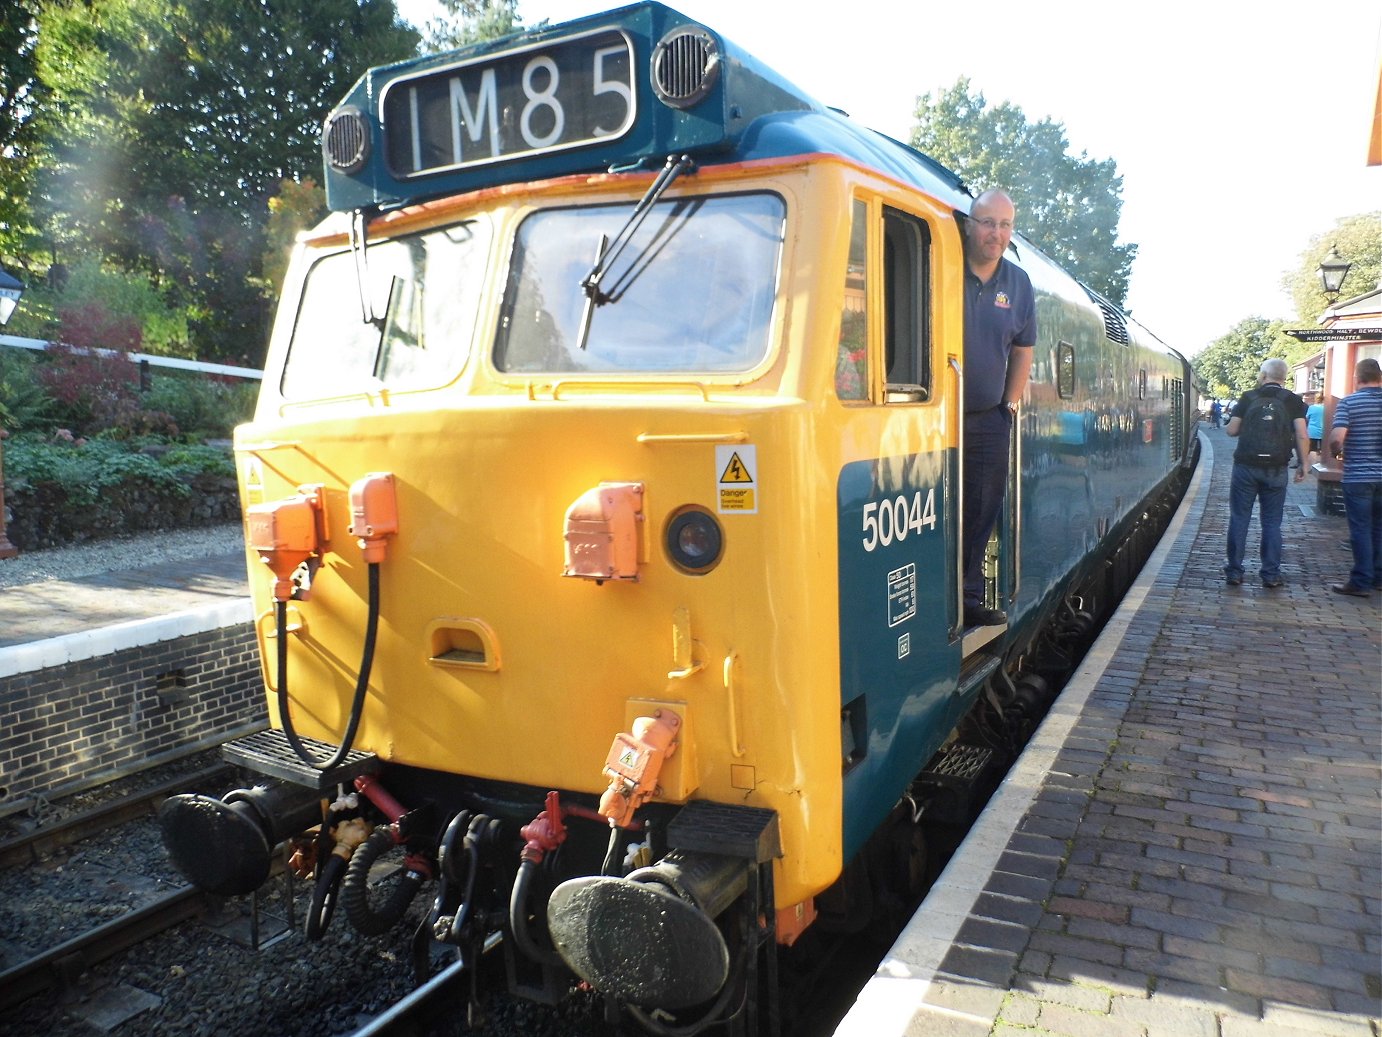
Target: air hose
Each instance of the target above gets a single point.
(367, 920)
(357, 707)
(324, 897)
(518, 918)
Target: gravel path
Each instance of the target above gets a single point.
(117, 553)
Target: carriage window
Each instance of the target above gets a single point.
(1065, 371)
(907, 328)
(425, 292)
(692, 291)
(851, 363)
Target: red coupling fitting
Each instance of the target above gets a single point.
(373, 513)
(545, 832)
(372, 789)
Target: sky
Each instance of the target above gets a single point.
(1240, 128)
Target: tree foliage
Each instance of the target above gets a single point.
(297, 206)
(1228, 366)
(472, 21)
(180, 118)
(1069, 206)
(21, 102)
(1358, 240)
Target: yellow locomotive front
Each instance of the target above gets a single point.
(605, 508)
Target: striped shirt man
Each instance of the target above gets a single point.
(1357, 433)
(1360, 413)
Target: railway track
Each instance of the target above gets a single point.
(62, 965)
(40, 843)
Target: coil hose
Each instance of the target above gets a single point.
(357, 706)
(368, 920)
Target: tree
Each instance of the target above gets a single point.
(1359, 240)
(472, 21)
(1068, 206)
(1228, 365)
(179, 119)
(296, 207)
(21, 101)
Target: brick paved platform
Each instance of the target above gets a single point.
(1192, 845)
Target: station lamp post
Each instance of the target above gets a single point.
(1333, 269)
(10, 292)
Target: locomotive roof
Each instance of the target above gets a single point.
(420, 129)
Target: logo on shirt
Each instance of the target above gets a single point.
(1001, 300)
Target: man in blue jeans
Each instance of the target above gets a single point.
(1261, 477)
(1357, 435)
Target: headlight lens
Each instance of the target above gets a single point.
(694, 540)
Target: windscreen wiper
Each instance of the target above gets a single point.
(608, 252)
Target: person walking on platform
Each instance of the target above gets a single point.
(1357, 438)
(1314, 424)
(1216, 414)
(1266, 422)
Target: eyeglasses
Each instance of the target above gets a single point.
(989, 223)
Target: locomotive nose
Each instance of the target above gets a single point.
(650, 938)
(225, 846)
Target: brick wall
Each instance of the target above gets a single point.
(67, 724)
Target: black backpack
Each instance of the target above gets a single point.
(1266, 437)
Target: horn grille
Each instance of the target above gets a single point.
(686, 66)
(345, 139)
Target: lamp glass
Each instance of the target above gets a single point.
(1333, 269)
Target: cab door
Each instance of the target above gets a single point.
(895, 491)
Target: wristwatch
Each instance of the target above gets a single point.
(1011, 405)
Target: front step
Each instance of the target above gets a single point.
(268, 752)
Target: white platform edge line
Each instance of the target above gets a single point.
(90, 644)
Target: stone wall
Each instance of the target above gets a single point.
(66, 725)
(41, 517)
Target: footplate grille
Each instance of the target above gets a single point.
(748, 832)
(268, 752)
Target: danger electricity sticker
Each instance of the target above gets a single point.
(736, 469)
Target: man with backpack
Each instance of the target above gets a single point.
(1267, 422)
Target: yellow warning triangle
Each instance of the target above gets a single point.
(735, 471)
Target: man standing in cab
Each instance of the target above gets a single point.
(1000, 331)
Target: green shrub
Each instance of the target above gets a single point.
(201, 407)
(92, 468)
(60, 490)
(25, 405)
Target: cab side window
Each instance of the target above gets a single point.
(851, 362)
(906, 291)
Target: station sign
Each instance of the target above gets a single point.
(1345, 334)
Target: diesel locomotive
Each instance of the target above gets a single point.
(601, 510)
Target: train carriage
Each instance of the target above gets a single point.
(602, 504)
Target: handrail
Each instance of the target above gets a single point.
(959, 495)
(41, 345)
